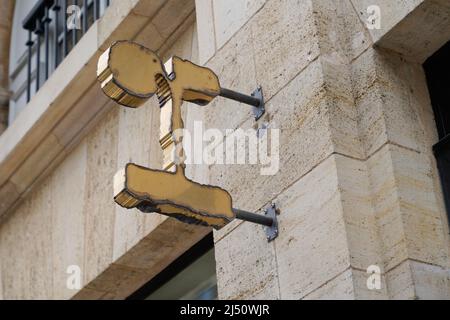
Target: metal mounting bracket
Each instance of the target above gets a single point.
(272, 231)
(256, 99)
(269, 220)
(261, 109)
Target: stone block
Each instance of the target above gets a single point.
(340, 288)
(431, 282)
(37, 277)
(406, 208)
(205, 26)
(99, 207)
(400, 282)
(392, 12)
(118, 23)
(420, 211)
(36, 162)
(350, 285)
(417, 280)
(136, 128)
(358, 213)
(150, 37)
(421, 33)
(246, 265)
(312, 247)
(300, 112)
(234, 65)
(392, 102)
(341, 34)
(173, 10)
(8, 192)
(285, 43)
(147, 8)
(232, 15)
(67, 194)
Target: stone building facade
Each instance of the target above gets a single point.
(358, 185)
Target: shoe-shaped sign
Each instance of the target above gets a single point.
(130, 74)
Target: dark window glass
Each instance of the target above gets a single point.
(437, 69)
(190, 277)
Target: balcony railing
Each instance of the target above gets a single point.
(54, 28)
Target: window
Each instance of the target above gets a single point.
(40, 40)
(437, 69)
(191, 277)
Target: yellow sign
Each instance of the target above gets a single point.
(130, 74)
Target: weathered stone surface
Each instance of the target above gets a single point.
(417, 280)
(357, 184)
(341, 112)
(431, 282)
(99, 206)
(50, 148)
(116, 281)
(180, 41)
(358, 213)
(362, 291)
(350, 285)
(67, 192)
(409, 218)
(341, 36)
(113, 26)
(401, 283)
(147, 8)
(387, 211)
(231, 15)
(12, 250)
(392, 12)
(312, 247)
(134, 140)
(22, 279)
(423, 223)
(234, 65)
(246, 265)
(1, 283)
(150, 37)
(286, 42)
(421, 33)
(8, 192)
(300, 111)
(206, 33)
(173, 10)
(340, 288)
(392, 101)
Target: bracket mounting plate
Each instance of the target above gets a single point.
(260, 110)
(272, 231)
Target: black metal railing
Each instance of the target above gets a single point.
(48, 31)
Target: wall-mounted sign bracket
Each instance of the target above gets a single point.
(130, 74)
(256, 100)
(269, 220)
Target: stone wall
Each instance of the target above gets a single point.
(357, 184)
